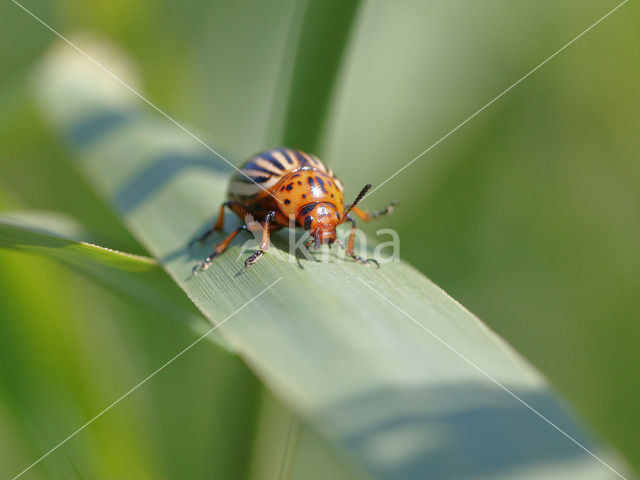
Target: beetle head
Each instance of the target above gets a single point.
(321, 219)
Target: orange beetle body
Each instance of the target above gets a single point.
(284, 187)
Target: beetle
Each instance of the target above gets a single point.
(284, 186)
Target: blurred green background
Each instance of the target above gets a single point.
(529, 215)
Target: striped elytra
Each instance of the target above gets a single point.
(284, 187)
(258, 175)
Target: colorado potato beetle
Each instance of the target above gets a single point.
(284, 187)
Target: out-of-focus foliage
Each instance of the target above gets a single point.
(323, 336)
(529, 215)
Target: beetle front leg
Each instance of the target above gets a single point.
(349, 251)
(217, 250)
(367, 217)
(264, 244)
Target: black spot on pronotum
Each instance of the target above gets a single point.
(310, 180)
(287, 201)
(307, 222)
(299, 182)
(308, 208)
(304, 195)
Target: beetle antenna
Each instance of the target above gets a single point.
(360, 196)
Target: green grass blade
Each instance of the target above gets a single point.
(319, 50)
(334, 341)
(59, 235)
(140, 278)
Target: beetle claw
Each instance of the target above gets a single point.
(202, 266)
(367, 262)
(388, 210)
(253, 258)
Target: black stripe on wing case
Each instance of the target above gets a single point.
(251, 179)
(258, 168)
(273, 161)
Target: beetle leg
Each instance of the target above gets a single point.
(366, 216)
(352, 236)
(217, 250)
(235, 206)
(366, 261)
(308, 243)
(264, 244)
